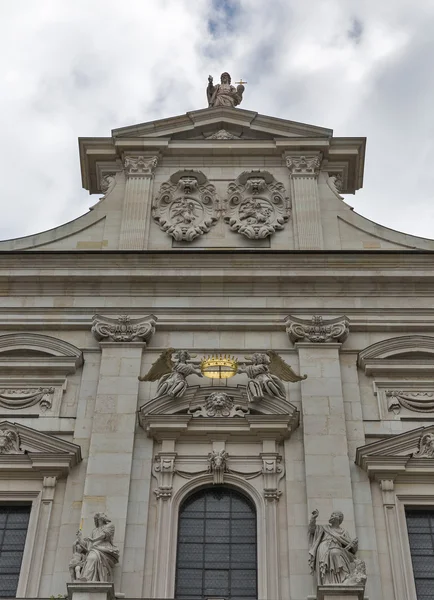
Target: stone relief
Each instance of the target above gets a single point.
(422, 402)
(94, 557)
(266, 373)
(257, 205)
(304, 165)
(426, 446)
(123, 328)
(107, 183)
(10, 442)
(186, 206)
(332, 553)
(336, 183)
(140, 166)
(217, 465)
(222, 134)
(171, 370)
(17, 398)
(223, 93)
(317, 330)
(219, 404)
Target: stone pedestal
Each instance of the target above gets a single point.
(90, 591)
(340, 592)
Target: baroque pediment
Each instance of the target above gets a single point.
(23, 449)
(210, 123)
(203, 409)
(406, 455)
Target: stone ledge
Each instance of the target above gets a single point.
(339, 592)
(95, 590)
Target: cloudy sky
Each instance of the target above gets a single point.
(82, 68)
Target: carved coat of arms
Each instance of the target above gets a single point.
(257, 205)
(186, 206)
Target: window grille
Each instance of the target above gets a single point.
(14, 521)
(420, 526)
(217, 548)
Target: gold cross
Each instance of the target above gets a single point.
(241, 82)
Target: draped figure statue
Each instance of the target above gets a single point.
(224, 94)
(331, 550)
(99, 555)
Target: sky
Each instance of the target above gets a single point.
(83, 68)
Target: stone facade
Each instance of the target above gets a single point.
(258, 252)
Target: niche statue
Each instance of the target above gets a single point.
(94, 557)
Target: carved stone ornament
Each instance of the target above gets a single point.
(331, 545)
(335, 183)
(10, 442)
(219, 404)
(422, 402)
(257, 205)
(317, 330)
(94, 558)
(223, 93)
(426, 446)
(217, 465)
(222, 134)
(140, 166)
(186, 206)
(123, 328)
(17, 398)
(304, 166)
(108, 182)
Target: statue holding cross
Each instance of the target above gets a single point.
(224, 94)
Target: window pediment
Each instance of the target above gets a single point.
(23, 450)
(218, 408)
(408, 455)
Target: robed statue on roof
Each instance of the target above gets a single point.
(223, 93)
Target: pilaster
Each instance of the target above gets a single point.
(328, 479)
(303, 173)
(108, 476)
(139, 173)
(393, 538)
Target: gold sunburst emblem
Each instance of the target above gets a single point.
(219, 366)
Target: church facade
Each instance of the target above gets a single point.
(219, 382)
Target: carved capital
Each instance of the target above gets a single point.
(317, 330)
(163, 493)
(272, 495)
(123, 328)
(140, 166)
(304, 165)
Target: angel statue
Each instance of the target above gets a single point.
(224, 94)
(266, 372)
(171, 369)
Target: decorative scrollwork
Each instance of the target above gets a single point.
(317, 330)
(17, 398)
(422, 402)
(10, 442)
(257, 205)
(186, 206)
(123, 328)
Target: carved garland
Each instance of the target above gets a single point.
(416, 401)
(257, 205)
(186, 206)
(23, 398)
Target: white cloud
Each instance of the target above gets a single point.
(83, 68)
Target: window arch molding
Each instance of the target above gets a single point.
(407, 353)
(167, 534)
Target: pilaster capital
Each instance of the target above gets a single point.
(139, 165)
(304, 165)
(123, 328)
(317, 330)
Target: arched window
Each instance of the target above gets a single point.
(216, 546)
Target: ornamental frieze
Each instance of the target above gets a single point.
(187, 206)
(317, 330)
(257, 205)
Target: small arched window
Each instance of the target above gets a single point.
(217, 554)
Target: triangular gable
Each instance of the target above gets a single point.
(409, 454)
(242, 124)
(25, 449)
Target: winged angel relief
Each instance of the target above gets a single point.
(171, 370)
(266, 373)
